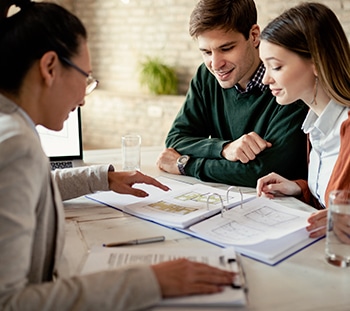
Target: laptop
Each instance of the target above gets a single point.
(64, 148)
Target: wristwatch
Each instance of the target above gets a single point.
(181, 163)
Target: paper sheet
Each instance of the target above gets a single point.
(112, 258)
(259, 220)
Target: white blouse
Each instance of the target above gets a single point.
(324, 135)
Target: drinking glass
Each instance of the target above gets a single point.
(338, 229)
(131, 152)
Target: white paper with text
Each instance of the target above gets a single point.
(114, 258)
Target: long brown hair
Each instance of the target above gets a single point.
(313, 31)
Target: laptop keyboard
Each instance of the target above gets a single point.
(61, 164)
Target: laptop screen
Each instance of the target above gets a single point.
(65, 144)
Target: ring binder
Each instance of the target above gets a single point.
(261, 229)
(224, 207)
(211, 195)
(239, 190)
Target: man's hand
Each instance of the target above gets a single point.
(167, 161)
(122, 182)
(245, 148)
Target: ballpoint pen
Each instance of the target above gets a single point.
(136, 241)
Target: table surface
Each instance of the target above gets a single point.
(305, 281)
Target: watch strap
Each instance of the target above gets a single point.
(181, 168)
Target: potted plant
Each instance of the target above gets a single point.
(158, 77)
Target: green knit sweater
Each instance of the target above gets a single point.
(212, 117)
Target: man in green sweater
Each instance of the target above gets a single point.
(230, 128)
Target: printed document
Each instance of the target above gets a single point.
(258, 220)
(180, 207)
(105, 259)
(262, 229)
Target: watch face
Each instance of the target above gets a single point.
(183, 159)
(181, 162)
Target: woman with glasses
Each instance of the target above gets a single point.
(307, 56)
(45, 73)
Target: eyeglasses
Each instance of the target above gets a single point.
(91, 82)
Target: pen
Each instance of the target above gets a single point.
(136, 242)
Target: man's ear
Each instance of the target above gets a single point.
(255, 35)
(48, 67)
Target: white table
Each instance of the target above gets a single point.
(303, 282)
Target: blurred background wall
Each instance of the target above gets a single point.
(122, 33)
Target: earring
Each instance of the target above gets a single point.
(315, 92)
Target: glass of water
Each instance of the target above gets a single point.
(131, 152)
(338, 229)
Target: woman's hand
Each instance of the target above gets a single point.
(317, 224)
(183, 277)
(122, 182)
(273, 185)
(341, 227)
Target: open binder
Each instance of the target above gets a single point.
(256, 227)
(236, 295)
(178, 208)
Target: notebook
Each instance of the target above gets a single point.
(64, 148)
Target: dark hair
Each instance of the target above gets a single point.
(236, 15)
(313, 31)
(37, 28)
